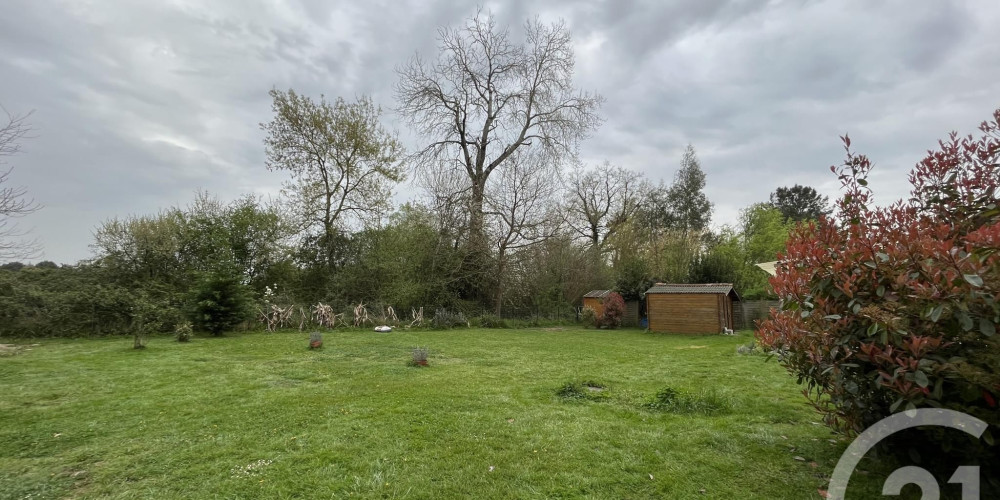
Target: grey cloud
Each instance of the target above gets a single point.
(765, 96)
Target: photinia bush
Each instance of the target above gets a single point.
(614, 310)
(894, 308)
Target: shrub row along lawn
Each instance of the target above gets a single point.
(544, 413)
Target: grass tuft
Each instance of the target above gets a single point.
(585, 390)
(704, 402)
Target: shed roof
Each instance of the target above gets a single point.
(597, 294)
(725, 288)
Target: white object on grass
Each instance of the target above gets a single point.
(383, 329)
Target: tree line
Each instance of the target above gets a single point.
(508, 219)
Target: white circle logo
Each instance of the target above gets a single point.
(967, 476)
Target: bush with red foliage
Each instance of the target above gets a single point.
(614, 311)
(893, 308)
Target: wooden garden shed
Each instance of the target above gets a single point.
(685, 308)
(594, 299)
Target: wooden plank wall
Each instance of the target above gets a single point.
(594, 303)
(720, 308)
(685, 312)
(725, 311)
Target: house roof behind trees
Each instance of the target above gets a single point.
(597, 294)
(725, 288)
(769, 267)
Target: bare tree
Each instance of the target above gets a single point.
(487, 96)
(14, 200)
(520, 208)
(600, 201)
(447, 192)
(343, 162)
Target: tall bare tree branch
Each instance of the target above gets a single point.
(521, 209)
(487, 96)
(601, 200)
(14, 200)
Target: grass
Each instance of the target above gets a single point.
(260, 416)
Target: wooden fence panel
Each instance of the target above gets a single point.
(745, 312)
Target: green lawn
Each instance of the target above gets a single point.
(259, 416)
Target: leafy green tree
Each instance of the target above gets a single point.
(244, 235)
(722, 261)
(632, 277)
(673, 252)
(258, 237)
(206, 236)
(800, 203)
(684, 206)
(202, 233)
(763, 233)
(732, 255)
(145, 248)
(158, 258)
(675, 220)
(319, 260)
(402, 264)
(343, 162)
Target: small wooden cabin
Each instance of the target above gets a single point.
(684, 308)
(594, 299)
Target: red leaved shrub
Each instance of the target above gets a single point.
(886, 309)
(614, 310)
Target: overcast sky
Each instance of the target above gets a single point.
(137, 104)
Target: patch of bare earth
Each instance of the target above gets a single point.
(13, 349)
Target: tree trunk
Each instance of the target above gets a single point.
(476, 265)
(476, 218)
